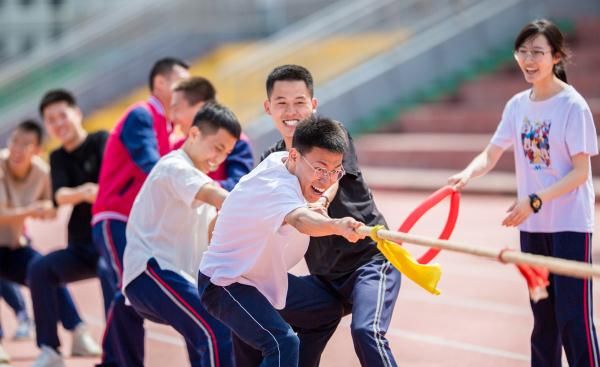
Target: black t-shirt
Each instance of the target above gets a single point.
(71, 169)
(332, 257)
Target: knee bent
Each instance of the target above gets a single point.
(289, 342)
(364, 333)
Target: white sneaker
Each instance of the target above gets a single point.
(48, 358)
(24, 330)
(4, 357)
(83, 344)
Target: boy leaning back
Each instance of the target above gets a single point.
(263, 230)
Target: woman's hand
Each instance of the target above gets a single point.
(517, 213)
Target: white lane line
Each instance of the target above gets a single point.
(466, 302)
(429, 339)
(438, 341)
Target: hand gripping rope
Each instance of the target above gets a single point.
(426, 276)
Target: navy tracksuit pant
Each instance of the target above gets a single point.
(565, 318)
(12, 296)
(48, 275)
(14, 266)
(314, 307)
(166, 297)
(126, 350)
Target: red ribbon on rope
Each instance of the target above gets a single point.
(424, 207)
(536, 277)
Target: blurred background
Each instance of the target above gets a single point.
(420, 83)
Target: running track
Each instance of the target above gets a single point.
(481, 318)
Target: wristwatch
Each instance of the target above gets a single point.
(535, 202)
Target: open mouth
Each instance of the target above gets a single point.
(531, 71)
(291, 123)
(317, 190)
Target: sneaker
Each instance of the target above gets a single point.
(49, 358)
(4, 357)
(83, 344)
(24, 330)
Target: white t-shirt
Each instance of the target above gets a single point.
(250, 243)
(545, 135)
(167, 222)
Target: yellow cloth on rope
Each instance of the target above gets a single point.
(425, 275)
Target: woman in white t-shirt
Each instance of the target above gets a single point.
(551, 130)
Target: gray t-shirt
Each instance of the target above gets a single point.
(17, 193)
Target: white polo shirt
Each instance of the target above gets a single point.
(250, 243)
(166, 222)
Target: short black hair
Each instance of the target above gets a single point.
(164, 67)
(32, 127)
(290, 72)
(55, 96)
(319, 132)
(213, 116)
(196, 89)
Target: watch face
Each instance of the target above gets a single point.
(536, 203)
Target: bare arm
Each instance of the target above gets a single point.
(211, 227)
(327, 197)
(41, 209)
(317, 225)
(76, 195)
(212, 194)
(479, 166)
(578, 175)
(521, 209)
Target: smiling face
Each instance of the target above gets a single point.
(22, 147)
(536, 60)
(62, 121)
(290, 102)
(209, 149)
(306, 168)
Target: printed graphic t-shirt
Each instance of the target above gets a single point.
(545, 135)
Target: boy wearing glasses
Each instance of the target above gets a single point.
(262, 231)
(355, 277)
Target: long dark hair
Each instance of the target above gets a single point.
(555, 39)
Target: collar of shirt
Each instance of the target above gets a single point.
(161, 110)
(157, 105)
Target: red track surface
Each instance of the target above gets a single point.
(481, 318)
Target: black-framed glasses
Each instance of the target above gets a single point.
(321, 173)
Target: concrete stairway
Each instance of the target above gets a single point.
(431, 142)
(244, 91)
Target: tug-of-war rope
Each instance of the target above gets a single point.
(534, 268)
